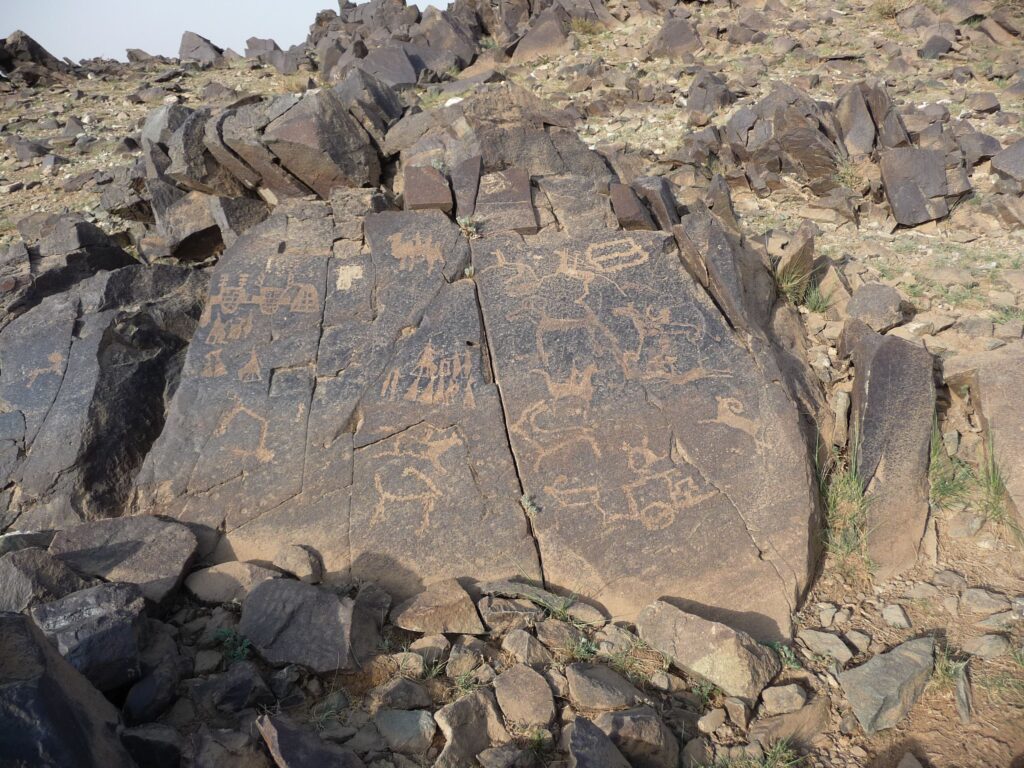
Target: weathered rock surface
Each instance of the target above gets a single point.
(587, 384)
(383, 503)
(990, 379)
(729, 658)
(891, 418)
(524, 697)
(50, 714)
(99, 630)
(151, 552)
(83, 377)
(882, 690)
(289, 622)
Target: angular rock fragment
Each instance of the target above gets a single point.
(730, 659)
(322, 145)
(444, 607)
(99, 630)
(148, 551)
(197, 48)
(524, 697)
(227, 582)
(877, 306)
(915, 184)
(470, 725)
(51, 715)
(289, 622)
(641, 736)
(426, 188)
(292, 746)
(32, 575)
(882, 690)
(596, 687)
(676, 39)
(589, 747)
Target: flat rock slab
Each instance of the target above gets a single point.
(289, 622)
(444, 607)
(639, 422)
(51, 715)
(151, 552)
(524, 697)
(730, 659)
(882, 690)
(915, 184)
(596, 687)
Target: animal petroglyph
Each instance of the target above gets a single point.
(730, 413)
(412, 252)
(422, 450)
(539, 428)
(241, 412)
(56, 367)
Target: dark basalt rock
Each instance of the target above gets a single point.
(99, 630)
(50, 715)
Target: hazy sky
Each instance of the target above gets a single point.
(81, 29)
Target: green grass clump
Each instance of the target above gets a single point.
(993, 503)
(816, 300)
(778, 755)
(949, 478)
(846, 513)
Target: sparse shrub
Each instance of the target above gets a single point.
(470, 227)
(234, 646)
(584, 27)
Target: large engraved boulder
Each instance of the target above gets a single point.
(660, 456)
(384, 391)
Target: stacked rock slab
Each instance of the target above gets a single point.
(356, 388)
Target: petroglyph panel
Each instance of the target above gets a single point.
(336, 395)
(652, 441)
